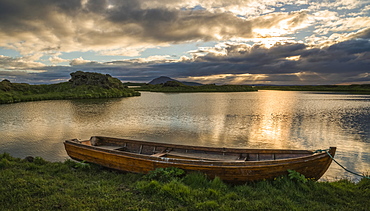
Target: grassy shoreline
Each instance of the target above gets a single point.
(178, 87)
(353, 89)
(174, 86)
(43, 185)
(18, 92)
(104, 86)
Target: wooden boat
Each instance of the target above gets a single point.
(233, 165)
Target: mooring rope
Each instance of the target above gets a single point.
(327, 152)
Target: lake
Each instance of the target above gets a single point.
(263, 119)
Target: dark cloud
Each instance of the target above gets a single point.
(70, 25)
(341, 63)
(345, 62)
(42, 26)
(23, 12)
(52, 75)
(98, 25)
(363, 34)
(96, 5)
(171, 25)
(125, 27)
(351, 47)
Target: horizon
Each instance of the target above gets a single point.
(207, 84)
(278, 43)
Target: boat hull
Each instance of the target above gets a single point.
(312, 166)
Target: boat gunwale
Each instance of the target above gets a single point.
(213, 163)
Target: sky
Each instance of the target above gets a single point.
(285, 42)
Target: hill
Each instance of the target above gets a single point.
(81, 85)
(164, 79)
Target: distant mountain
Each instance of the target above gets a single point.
(161, 80)
(164, 79)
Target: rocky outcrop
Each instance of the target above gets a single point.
(5, 85)
(95, 79)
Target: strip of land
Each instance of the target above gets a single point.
(176, 86)
(354, 88)
(87, 85)
(82, 85)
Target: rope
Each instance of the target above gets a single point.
(327, 152)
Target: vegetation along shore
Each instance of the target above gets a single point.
(36, 184)
(82, 85)
(354, 88)
(88, 85)
(176, 86)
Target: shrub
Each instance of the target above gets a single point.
(293, 175)
(165, 174)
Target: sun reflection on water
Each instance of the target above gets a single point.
(272, 130)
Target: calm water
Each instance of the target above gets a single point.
(264, 119)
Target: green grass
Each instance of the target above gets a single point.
(355, 88)
(173, 86)
(19, 92)
(42, 185)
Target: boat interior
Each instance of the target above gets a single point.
(193, 153)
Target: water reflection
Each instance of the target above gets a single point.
(265, 119)
(90, 110)
(26, 127)
(273, 120)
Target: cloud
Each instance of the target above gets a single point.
(338, 4)
(57, 60)
(130, 27)
(24, 63)
(362, 34)
(344, 62)
(49, 26)
(45, 75)
(80, 61)
(279, 24)
(307, 42)
(348, 24)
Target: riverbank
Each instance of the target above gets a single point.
(355, 88)
(175, 86)
(36, 184)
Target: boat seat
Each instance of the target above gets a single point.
(87, 142)
(109, 147)
(158, 154)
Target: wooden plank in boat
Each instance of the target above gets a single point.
(159, 154)
(109, 147)
(203, 156)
